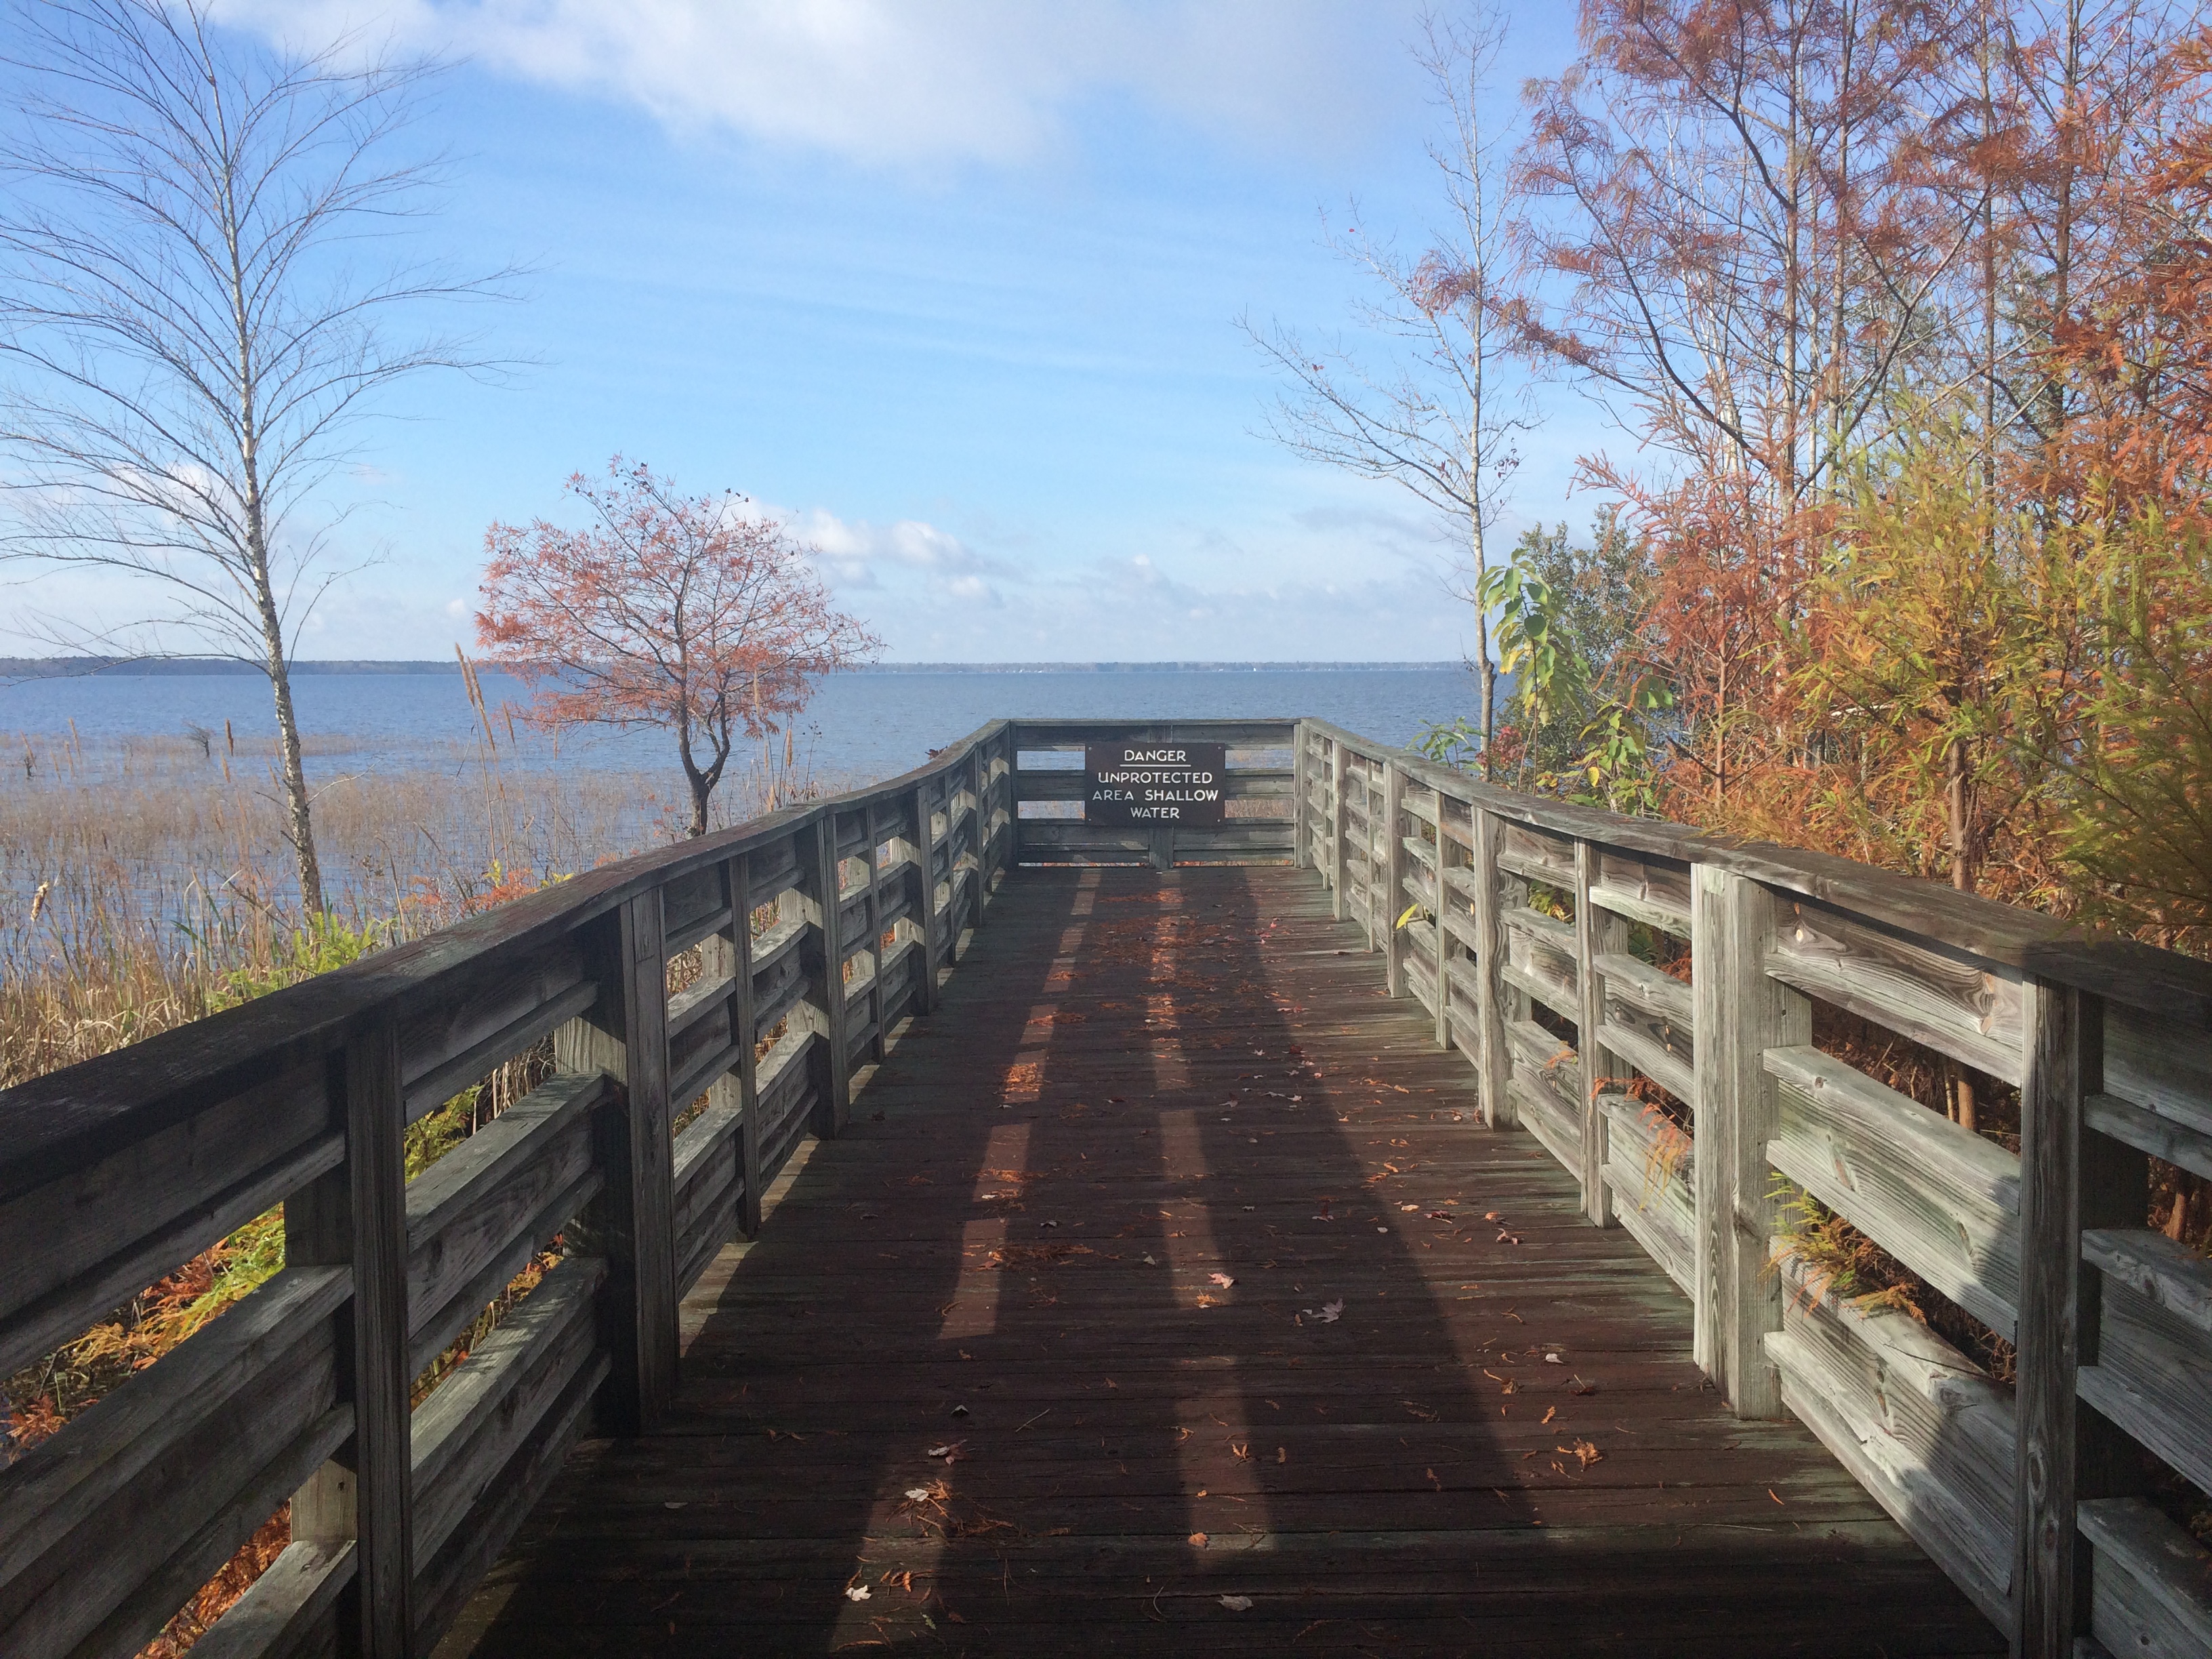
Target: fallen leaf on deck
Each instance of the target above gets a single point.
(1222, 1279)
(917, 1493)
(856, 1592)
(1149, 1262)
(1554, 1359)
(1550, 1412)
(1236, 1603)
(1586, 1454)
(1490, 1215)
(1282, 1454)
(1576, 1385)
(1328, 1313)
(1198, 1540)
(949, 1452)
(1440, 1215)
(1409, 1207)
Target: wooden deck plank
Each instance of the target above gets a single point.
(1199, 1068)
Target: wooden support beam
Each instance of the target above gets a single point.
(1336, 830)
(632, 1222)
(732, 953)
(925, 840)
(1390, 871)
(1597, 931)
(873, 828)
(826, 966)
(1708, 1115)
(356, 1217)
(1301, 777)
(1758, 1012)
(1442, 934)
(2071, 1179)
(1495, 1059)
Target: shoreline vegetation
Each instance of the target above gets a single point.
(52, 668)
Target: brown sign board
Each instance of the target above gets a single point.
(1172, 783)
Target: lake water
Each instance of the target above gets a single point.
(859, 726)
(114, 820)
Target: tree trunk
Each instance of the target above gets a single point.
(1963, 1106)
(299, 822)
(299, 828)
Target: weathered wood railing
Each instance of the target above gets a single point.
(2025, 1496)
(819, 926)
(822, 926)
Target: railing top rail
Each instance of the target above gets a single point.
(2125, 970)
(1077, 723)
(52, 1122)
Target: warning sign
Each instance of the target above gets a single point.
(1174, 783)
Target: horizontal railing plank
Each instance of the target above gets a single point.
(2153, 1375)
(281, 1610)
(472, 1211)
(465, 1432)
(111, 1206)
(68, 1481)
(1644, 986)
(1940, 1199)
(2160, 983)
(1655, 1203)
(2154, 1581)
(1921, 1427)
(1957, 1006)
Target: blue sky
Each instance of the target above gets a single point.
(954, 284)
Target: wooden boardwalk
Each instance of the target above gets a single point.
(1165, 1296)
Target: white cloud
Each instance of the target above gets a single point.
(854, 553)
(895, 83)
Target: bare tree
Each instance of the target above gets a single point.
(1425, 412)
(198, 272)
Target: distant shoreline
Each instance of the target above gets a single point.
(52, 668)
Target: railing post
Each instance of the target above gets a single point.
(1371, 874)
(980, 769)
(1708, 1118)
(872, 853)
(2070, 1178)
(1392, 865)
(1336, 828)
(1301, 770)
(632, 1222)
(1497, 1063)
(827, 966)
(1596, 932)
(732, 953)
(1758, 1012)
(356, 1217)
(1441, 961)
(924, 841)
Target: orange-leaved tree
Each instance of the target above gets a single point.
(685, 611)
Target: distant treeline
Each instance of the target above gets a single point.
(46, 668)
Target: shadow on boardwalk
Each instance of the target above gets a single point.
(1160, 1263)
